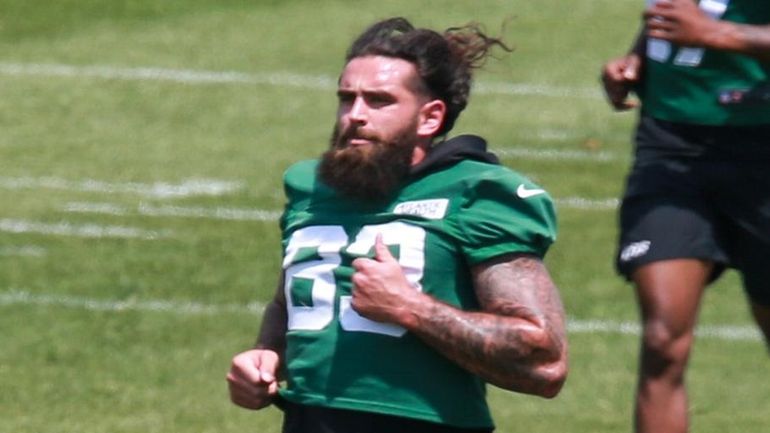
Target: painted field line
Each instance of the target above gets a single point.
(552, 134)
(240, 214)
(187, 188)
(184, 76)
(582, 203)
(234, 214)
(557, 154)
(489, 88)
(276, 78)
(23, 250)
(10, 225)
(218, 213)
(723, 332)
(23, 297)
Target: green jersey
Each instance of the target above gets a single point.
(709, 87)
(438, 226)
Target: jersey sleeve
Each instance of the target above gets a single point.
(298, 186)
(503, 213)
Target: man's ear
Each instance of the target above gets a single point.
(431, 118)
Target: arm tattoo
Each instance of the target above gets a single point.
(517, 341)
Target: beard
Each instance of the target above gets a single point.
(371, 172)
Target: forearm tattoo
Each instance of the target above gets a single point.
(517, 340)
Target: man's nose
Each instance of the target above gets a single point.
(358, 111)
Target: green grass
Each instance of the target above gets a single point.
(158, 364)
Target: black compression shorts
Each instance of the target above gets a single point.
(693, 193)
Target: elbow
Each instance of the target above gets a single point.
(554, 373)
(552, 379)
(546, 379)
(549, 370)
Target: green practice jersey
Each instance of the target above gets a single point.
(700, 86)
(438, 226)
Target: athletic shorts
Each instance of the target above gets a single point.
(691, 194)
(299, 418)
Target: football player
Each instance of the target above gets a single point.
(412, 265)
(697, 199)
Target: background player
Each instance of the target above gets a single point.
(698, 196)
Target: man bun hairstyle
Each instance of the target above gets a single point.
(445, 62)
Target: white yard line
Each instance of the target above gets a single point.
(486, 88)
(184, 76)
(582, 203)
(556, 154)
(241, 214)
(64, 228)
(24, 297)
(275, 78)
(724, 332)
(23, 250)
(215, 213)
(187, 188)
(218, 213)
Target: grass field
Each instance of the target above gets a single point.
(141, 152)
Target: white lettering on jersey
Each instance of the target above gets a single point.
(660, 50)
(434, 209)
(327, 243)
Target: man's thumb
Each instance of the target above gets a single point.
(631, 71)
(381, 251)
(268, 366)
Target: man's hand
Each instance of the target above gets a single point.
(380, 288)
(618, 77)
(252, 378)
(681, 22)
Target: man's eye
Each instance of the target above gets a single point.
(379, 100)
(345, 98)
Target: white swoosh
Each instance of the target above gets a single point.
(523, 192)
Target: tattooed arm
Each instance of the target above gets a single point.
(517, 341)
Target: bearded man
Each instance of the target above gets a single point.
(412, 272)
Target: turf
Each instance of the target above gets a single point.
(140, 162)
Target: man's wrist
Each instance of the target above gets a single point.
(723, 36)
(417, 306)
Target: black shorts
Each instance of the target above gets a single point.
(313, 419)
(701, 200)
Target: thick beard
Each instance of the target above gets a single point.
(372, 172)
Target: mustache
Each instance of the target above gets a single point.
(355, 132)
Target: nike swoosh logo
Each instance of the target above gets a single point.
(523, 192)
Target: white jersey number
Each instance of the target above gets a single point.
(326, 243)
(660, 50)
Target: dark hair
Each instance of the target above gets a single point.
(444, 61)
